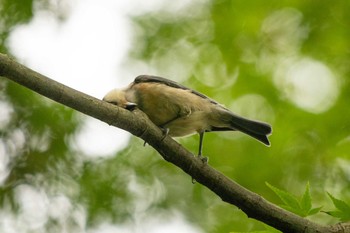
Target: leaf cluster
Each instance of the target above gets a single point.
(301, 206)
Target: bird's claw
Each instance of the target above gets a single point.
(165, 133)
(204, 159)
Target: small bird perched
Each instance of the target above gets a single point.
(181, 111)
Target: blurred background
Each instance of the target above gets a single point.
(283, 62)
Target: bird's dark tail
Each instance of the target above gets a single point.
(256, 129)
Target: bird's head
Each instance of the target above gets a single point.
(117, 97)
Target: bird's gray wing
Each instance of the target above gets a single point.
(170, 83)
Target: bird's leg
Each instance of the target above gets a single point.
(203, 158)
(201, 137)
(182, 113)
(164, 127)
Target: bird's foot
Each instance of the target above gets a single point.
(165, 133)
(204, 159)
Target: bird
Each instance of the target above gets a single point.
(180, 111)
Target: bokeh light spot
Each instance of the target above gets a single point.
(307, 83)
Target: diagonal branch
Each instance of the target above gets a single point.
(137, 123)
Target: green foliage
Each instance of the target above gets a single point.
(342, 209)
(301, 206)
(12, 13)
(268, 229)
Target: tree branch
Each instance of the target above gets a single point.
(137, 123)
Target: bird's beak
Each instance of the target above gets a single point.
(130, 106)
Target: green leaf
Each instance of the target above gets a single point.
(269, 229)
(343, 209)
(314, 210)
(339, 204)
(302, 207)
(288, 199)
(335, 213)
(305, 203)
